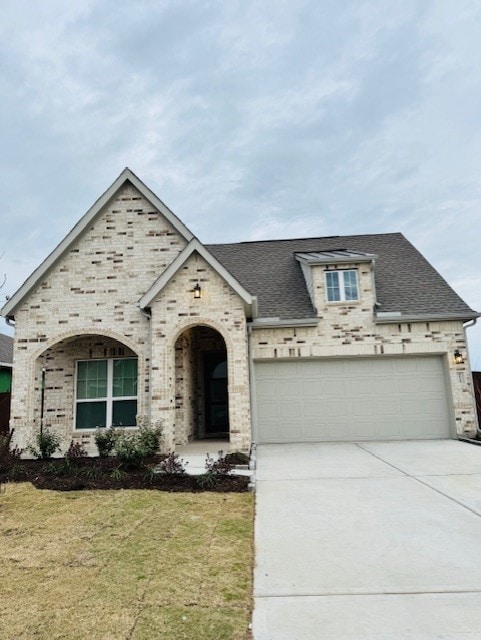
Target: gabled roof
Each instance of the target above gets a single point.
(405, 281)
(6, 350)
(268, 276)
(126, 176)
(195, 246)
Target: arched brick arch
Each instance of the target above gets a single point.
(73, 335)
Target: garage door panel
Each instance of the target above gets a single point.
(362, 399)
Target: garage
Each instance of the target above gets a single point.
(385, 398)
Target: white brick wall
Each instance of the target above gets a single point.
(87, 306)
(349, 330)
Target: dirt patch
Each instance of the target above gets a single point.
(107, 473)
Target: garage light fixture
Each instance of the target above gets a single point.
(458, 357)
(197, 291)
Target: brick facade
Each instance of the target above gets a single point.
(349, 330)
(87, 306)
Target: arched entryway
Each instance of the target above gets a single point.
(201, 385)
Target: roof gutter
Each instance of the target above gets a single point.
(397, 316)
(278, 323)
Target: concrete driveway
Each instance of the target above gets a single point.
(368, 541)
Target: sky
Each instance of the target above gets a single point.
(250, 119)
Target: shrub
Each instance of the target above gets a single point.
(75, 451)
(220, 467)
(237, 457)
(46, 444)
(150, 438)
(132, 448)
(105, 441)
(7, 453)
(4, 448)
(129, 449)
(173, 465)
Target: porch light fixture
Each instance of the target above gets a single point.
(197, 291)
(458, 357)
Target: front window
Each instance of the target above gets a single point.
(342, 286)
(106, 393)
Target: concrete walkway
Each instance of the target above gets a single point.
(374, 541)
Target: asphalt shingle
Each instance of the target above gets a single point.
(6, 349)
(405, 281)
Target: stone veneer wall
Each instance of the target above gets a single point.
(93, 290)
(349, 329)
(175, 310)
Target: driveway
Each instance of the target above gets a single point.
(368, 541)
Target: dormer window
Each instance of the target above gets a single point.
(342, 286)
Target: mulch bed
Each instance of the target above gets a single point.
(108, 473)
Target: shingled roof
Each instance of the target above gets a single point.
(405, 281)
(6, 349)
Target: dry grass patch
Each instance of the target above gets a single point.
(133, 565)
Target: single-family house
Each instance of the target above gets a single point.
(6, 360)
(341, 338)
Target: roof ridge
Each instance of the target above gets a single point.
(360, 235)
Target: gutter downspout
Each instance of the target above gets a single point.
(42, 401)
(10, 321)
(468, 324)
(148, 315)
(251, 391)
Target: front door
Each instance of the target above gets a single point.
(215, 394)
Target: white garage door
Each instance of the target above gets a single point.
(362, 399)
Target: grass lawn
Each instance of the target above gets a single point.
(124, 565)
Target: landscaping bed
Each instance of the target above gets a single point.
(61, 474)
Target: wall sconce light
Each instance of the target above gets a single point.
(458, 357)
(197, 291)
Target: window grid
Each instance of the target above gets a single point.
(342, 286)
(117, 391)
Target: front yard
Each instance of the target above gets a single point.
(124, 565)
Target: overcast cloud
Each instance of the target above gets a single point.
(250, 119)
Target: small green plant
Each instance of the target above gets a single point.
(46, 444)
(52, 467)
(207, 480)
(16, 471)
(105, 441)
(150, 474)
(117, 474)
(173, 465)
(91, 473)
(75, 451)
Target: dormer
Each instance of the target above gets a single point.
(339, 277)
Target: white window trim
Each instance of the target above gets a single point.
(342, 288)
(109, 398)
